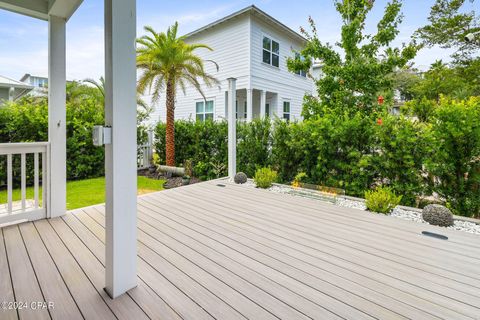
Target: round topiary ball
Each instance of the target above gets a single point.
(240, 178)
(437, 215)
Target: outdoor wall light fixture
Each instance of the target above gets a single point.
(101, 135)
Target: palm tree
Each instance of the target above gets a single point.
(167, 62)
(100, 87)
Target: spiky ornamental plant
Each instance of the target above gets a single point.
(168, 62)
(352, 81)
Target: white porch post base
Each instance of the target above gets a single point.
(121, 154)
(232, 128)
(57, 134)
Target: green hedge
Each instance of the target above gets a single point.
(355, 153)
(27, 121)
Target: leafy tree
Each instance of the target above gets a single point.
(353, 81)
(422, 108)
(439, 80)
(459, 80)
(405, 80)
(168, 62)
(448, 26)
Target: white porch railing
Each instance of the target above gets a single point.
(145, 153)
(144, 156)
(24, 209)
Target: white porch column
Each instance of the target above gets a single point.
(263, 99)
(57, 134)
(249, 105)
(121, 154)
(232, 128)
(11, 93)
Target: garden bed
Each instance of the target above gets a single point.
(401, 212)
(170, 182)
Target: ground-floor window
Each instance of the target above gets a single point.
(204, 110)
(286, 110)
(267, 110)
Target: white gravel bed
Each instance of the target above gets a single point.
(400, 213)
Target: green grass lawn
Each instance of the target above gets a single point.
(84, 193)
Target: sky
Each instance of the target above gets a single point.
(23, 40)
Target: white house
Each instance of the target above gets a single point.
(39, 83)
(252, 47)
(11, 89)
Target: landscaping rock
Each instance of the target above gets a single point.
(240, 178)
(437, 215)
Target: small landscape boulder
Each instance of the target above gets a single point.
(437, 215)
(240, 178)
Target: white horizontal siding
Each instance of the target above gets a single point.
(289, 86)
(237, 46)
(229, 42)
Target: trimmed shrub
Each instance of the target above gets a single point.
(455, 155)
(381, 200)
(264, 177)
(437, 215)
(401, 148)
(203, 143)
(253, 145)
(26, 120)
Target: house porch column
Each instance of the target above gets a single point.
(121, 153)
(263, 98)
(249, 105)
(232, 127)
(57, 133)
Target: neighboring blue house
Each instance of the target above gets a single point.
(11, 90)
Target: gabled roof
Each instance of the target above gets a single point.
(41, 9)
(7, 82)
(28, 75)
(254, 11)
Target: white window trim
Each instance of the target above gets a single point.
(204, 113)
(271, 52)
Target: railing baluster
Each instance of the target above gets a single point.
(145, 157)
(44, 179)
(9, 184)
(23, 184)
(35, 179)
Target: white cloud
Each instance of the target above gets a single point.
(85, 53)
(187, 21)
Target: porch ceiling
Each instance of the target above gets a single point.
(41, 9)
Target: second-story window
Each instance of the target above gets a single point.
(302, 73)
(271, 52)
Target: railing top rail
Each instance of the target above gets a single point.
(22, 147)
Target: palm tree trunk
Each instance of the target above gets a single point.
(170, 131)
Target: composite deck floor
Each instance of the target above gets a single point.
(212, 252)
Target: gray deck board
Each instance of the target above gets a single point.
(209, 252)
